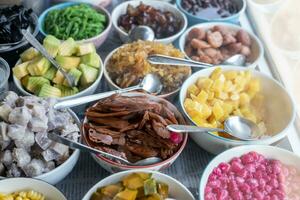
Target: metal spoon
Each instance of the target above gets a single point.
(75, 145)
(235, 126)
(141, 33)
(31, 39)
(151, 84)
(158, 59)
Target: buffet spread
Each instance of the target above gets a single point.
(50, 119)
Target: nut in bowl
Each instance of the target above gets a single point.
(82, 21)
(167, 22)
(28, 188)
(26, 149)
(215, 42)
(140, 182)
(127, 65)
(252, 171)
(211, 95)
(34, 74)
(133, 126)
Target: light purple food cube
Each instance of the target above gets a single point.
(21, 157)
(20, 115)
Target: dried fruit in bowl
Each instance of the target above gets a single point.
(128, 65)
(134, 186)
(211, 100)
(132, 127)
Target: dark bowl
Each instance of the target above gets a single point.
(12, 53)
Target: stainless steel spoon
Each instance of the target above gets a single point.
(36, 44)
(158, 59)
(76, 145)
(235, 126)
(141, 33)
(150, 84)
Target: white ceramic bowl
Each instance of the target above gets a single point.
(277, 120)
(270, 152)
(113, 86)
(176, 189)
(256, 47)
(88, 91)
(121, 9)
(19, 184)
(113, 166)
(60, 172)
(267, 6)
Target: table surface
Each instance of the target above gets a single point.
(187, 168)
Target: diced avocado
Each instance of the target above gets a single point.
(150, 186)
(67, 91)
(50, 73)
(91, 59)
(67, 48)
(126, 194)
(38, 66)
(89, 75)
(24, 80)
(35, 83)
(59, 78)
(133, 181)
(49, 91)
(85, 48)
(111, 190)
(68, 62)
(51, 44)
(76, 73)
(29, 54)
(20, 70)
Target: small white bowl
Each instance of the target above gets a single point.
(267, 7)
(277, 120)
(165, 6)
(60, 172)
(176, 189)
(270, 152)
(11, 185)
(256, 46)
(88, 91)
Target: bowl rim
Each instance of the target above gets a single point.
(115, 16)
(19, 86)
(111, 82)
(182, 39)
(124, 173)
(74, 154)
(276, 137)
(42, 17)
(243, 148)
(7, 72)
(38, 181)
(242, 10)
(34, 33)
(162, 163)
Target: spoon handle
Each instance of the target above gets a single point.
(192, 129)
(94, 97)
(30, 38)
(158, 59)
(75, 145)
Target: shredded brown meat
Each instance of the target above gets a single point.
(135, 126)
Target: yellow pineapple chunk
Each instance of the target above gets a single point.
(217, 111)
(193, 89)
(202, 96)
(244, 99)
(230, 75)
(216, 73)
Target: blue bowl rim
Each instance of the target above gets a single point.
(231, 17)
(42, 17)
